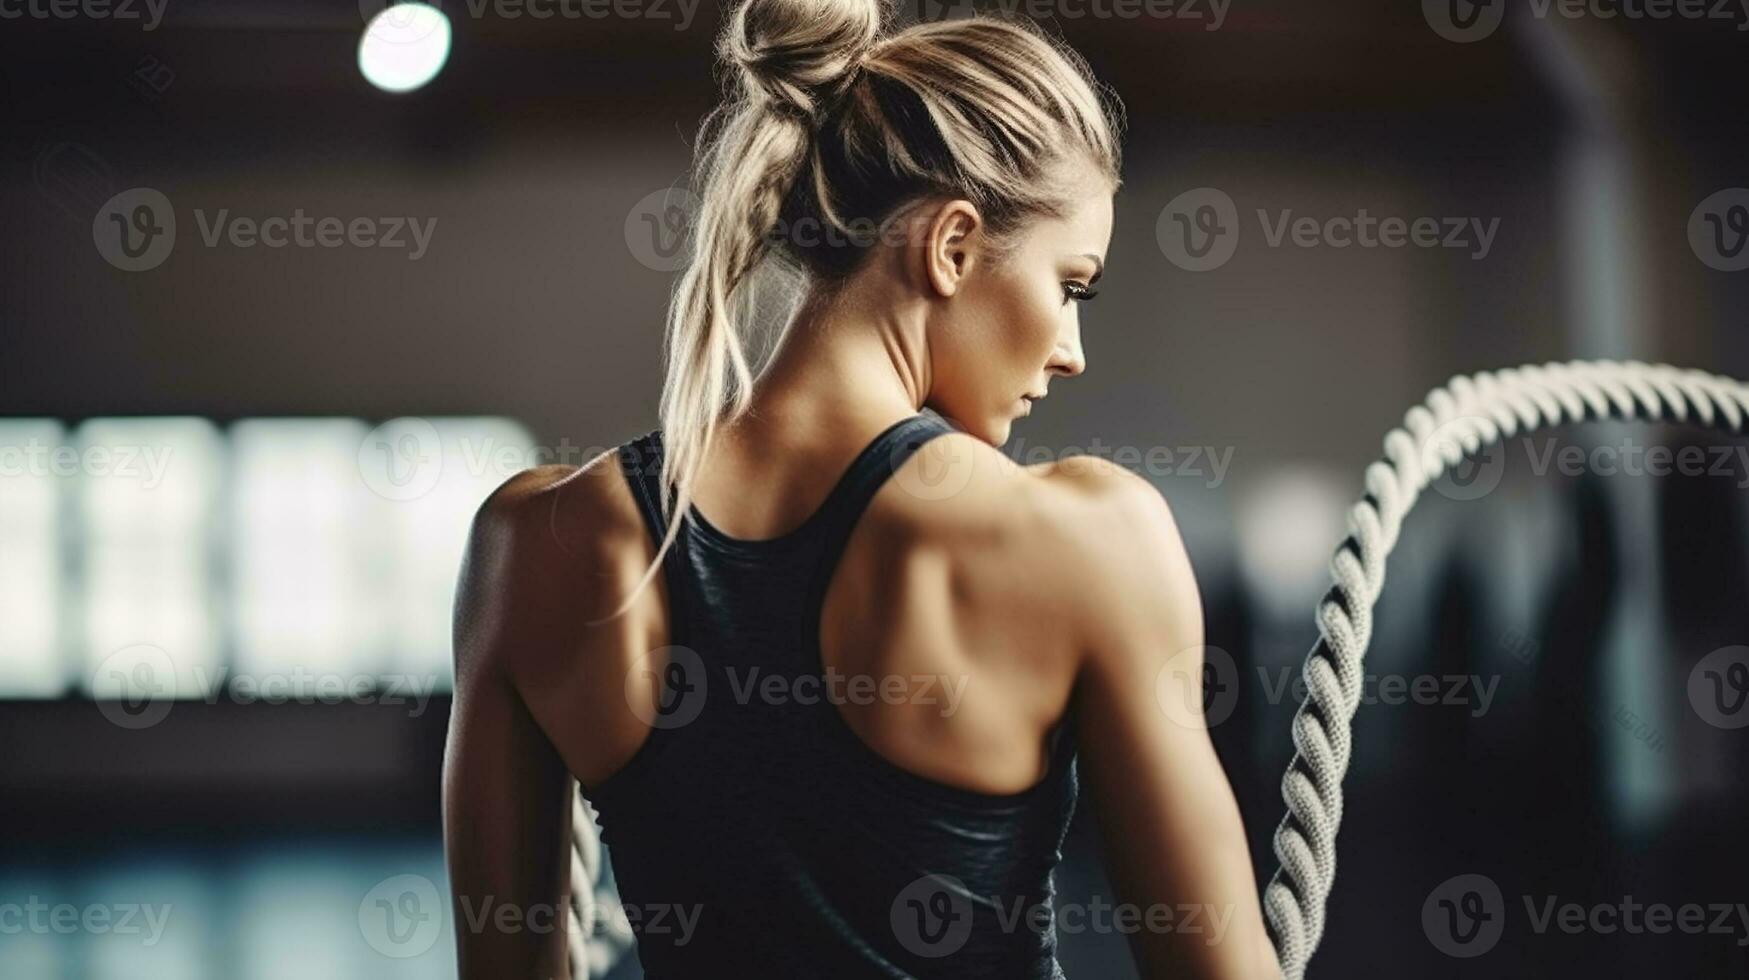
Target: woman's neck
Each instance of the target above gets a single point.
(846, 364)
(844, 372)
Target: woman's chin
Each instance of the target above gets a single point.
(999, 431)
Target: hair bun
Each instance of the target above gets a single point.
(797, 54)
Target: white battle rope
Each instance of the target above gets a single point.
(1470, 412)
(588, 895)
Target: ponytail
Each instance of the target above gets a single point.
(829, 123)
(792, 58)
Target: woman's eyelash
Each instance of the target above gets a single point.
(1077, 291)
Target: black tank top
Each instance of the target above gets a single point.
(754, 834)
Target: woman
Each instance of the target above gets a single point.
(833, 721)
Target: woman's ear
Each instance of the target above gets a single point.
(949, 247)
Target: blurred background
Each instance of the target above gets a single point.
(235, 475)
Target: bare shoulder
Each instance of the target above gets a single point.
(1129, 562)
(550, 548)
(1081, 540)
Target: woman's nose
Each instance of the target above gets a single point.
(1067, 358)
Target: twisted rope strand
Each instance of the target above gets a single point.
(587, 892)
(1455, 421)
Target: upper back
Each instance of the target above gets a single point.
(963, 567)
(813, 726)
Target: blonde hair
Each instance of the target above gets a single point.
(834, 125)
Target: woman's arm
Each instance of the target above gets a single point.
(506, 792)
(1175, 844)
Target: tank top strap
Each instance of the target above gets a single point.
(641, 461)
(824, 532)
(867, 474)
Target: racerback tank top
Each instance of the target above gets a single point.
(754, 834)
